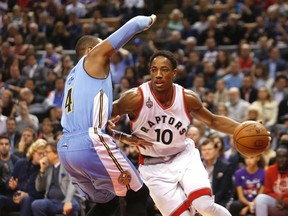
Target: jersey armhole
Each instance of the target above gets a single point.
(185, 106)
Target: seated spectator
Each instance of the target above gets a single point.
(46, 130)
(245, 59)
(55, 116)
(7, 102)
(20, 48)
(24, 119)
(13, 135)
(211, 52)
(235, 76)
(212, 31)
(34, 71)
(275, 63)
(266, 106)
(222, 63)
(247, 90)
(261, 77)
(237, 107)
(50, 57)
(64, 66)
(60, 36)
(121, 88)
(175, 20)
(261, 54)
(55, 97)
(280, 90)
(249, 182)
(60, 195)
(17, 80)
(76, 7)
(283, 111)
(7, 163)
(35, 37)
(219, 173)
(6, 59)
(233, 31)
(22, 182)
(198, 86)
(28, 136)
(221, 93)
(274, 201)
(3, 127)
(194, 134)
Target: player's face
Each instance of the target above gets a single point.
(162, 74)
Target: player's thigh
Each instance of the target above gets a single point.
(195, 178)
(163, 186)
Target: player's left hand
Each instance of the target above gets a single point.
(111, 124)
(67, 208)
(134, 140)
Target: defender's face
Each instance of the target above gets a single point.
(162, 74)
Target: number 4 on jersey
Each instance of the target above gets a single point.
(69, 101)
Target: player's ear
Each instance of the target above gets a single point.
(174, 72)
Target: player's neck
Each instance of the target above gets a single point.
(165, 97)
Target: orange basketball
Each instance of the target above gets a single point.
(251, 138)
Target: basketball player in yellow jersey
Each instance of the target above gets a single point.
(160, 112)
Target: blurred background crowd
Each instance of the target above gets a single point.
(232, 53)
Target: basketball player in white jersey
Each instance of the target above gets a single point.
(160, 112)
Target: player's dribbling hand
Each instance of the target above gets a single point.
(134, 140)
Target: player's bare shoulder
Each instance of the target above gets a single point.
(192, 100)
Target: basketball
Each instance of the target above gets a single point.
(251, 138)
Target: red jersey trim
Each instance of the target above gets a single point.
(138, 113)
(194, 195)
(158, 102)
(186, 106)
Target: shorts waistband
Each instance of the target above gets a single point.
(148, 160)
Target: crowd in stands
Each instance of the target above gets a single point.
(232, 53)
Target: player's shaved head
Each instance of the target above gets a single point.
(85, 42)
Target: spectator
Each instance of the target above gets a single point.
(194, 134)
(7, 102)
(50, 57)
(259, 31)
(283, 110)
(55, 116)
(247, 91)
(24, 118)
(3, 127)
(245, 58)
(212, 31)
(221, 93)
(219, 173)
(55, 97)
(7, 163)
(121, 88)
(235, 76)
(60, 195)
(222, 63)
(275, 63)
(35, 37)
(175, 42)
(189, 11)
(280, 90)
(64, 66)
(163, 33)
(194, 66)
(261, 54)
(16, 82)
(238, 108)
(210, 75)
(20, 48)
(175, 20)
(249, 182)
(249, 11)
(34, 71)
(187, 30)
(22, 182)
(13, 135)
(46, 130)
(45, 23)
(198, 86)
(60, 36)
(28, 136)
(233, 31)
(261, 77)
(6, 60)
(74, 29)
(211, 52)
(274, 201)
(208, 101)
(76, 7)
(99, 27)
(267, 107)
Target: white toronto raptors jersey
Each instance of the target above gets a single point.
(165, 127)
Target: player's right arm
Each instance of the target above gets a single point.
(97, 60)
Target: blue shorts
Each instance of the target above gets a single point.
(98, 168)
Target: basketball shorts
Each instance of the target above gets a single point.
(98, 168)
(175, 183)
